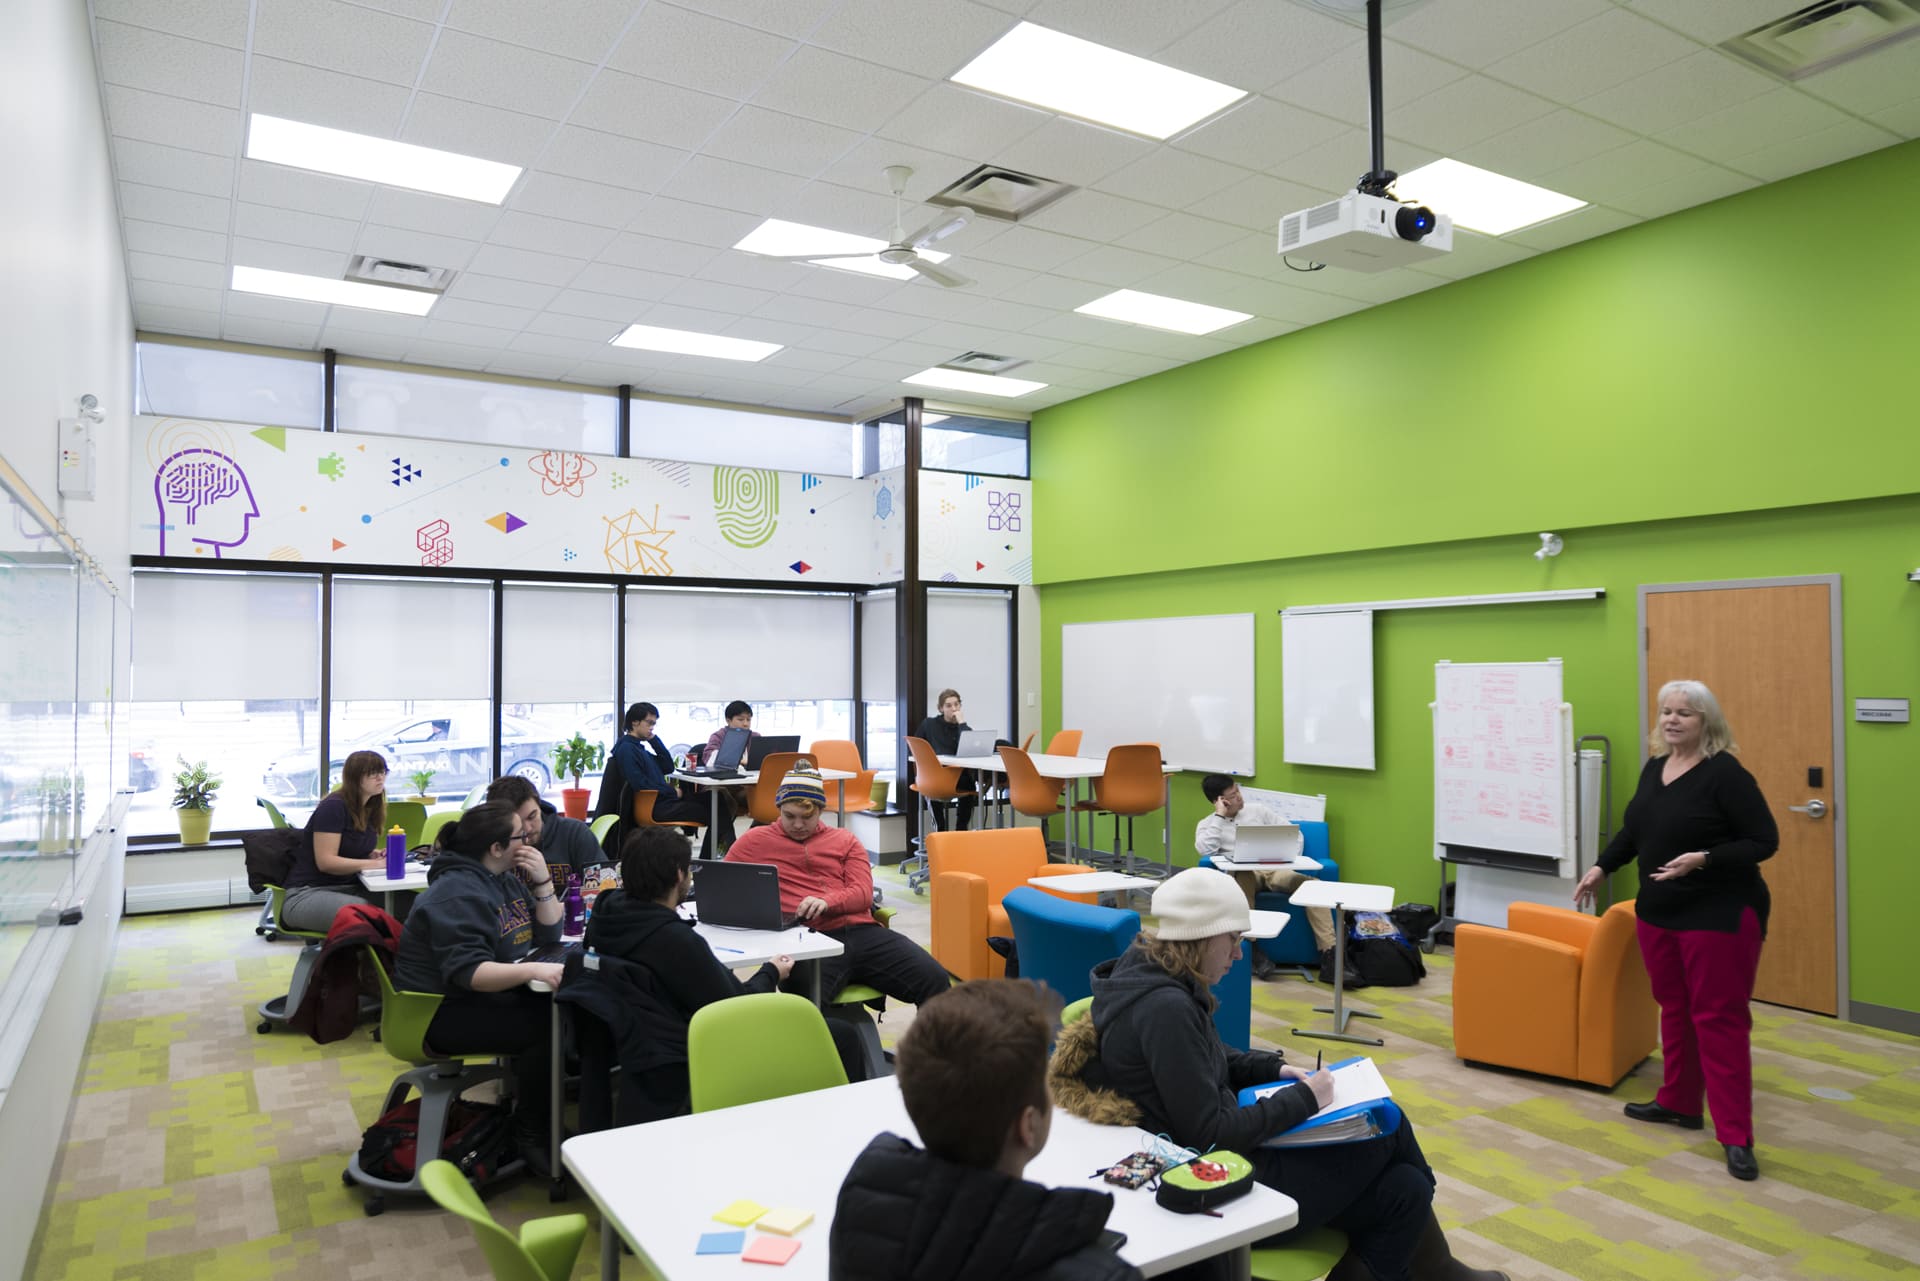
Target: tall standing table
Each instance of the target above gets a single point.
(1340, 896)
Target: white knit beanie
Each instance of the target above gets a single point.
(1198, 904)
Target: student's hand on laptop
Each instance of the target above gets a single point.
(547, 972)
(782, 965)
(810, 908)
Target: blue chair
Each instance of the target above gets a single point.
(1059, 942)
(1295, 945)
(1233, 1011)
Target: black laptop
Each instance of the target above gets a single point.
(743, 896)
(726, 757)
(767, 744)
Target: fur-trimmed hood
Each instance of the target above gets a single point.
(1077, 1049)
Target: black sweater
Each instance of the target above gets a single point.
(466, 916)
(943, 734)
(1715, 807)
(906, 1215)
(686, 975)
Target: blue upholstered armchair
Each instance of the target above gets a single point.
(1059, 942)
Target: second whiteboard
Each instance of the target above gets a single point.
(1326, 688)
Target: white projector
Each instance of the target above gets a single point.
(1366, 233)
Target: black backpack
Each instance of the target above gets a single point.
(479, 1140)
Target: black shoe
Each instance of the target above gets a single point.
(1263, 966)
(1740, 1163)
(1652, 1111)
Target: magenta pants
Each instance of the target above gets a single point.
(1703, 980)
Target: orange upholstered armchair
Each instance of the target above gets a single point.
(971, 873)
(1556, 992)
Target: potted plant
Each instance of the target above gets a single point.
(577, 756)
(193, 792)
(422, 780)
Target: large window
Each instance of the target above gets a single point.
(741, 437)
(969, 643)
(556, 669)
(965, 442)
(396, 402)
(226, 669)
(230, 386)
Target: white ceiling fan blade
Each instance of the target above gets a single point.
(939, 275)
(819, 257)
(939, 229)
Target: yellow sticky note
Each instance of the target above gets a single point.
(741, 1213)
(786, 1220)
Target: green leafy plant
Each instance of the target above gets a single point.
(577, 756)
(193, 786)
(422, 780)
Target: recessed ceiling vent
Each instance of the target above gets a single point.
(1006, 194)
(983, 362)
(1810, 40)
(401, 275)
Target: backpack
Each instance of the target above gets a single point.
(270, 852)
(479, 1140)
(1378, 955)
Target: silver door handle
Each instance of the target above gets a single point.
(1815, 808)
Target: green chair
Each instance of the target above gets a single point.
(275, 1013)
(850, 1004)
(439, 1079)
(474, 797)
(410, 817)
(1076, 1010)
(274, 815)
(1311, 1257)
(601, 826)
(544, 1251)
(269, 923)
(431, 831)
(764, 1045)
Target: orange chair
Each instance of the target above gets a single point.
(848, 796)
(1131, 786)
(933, 783)
(1065, 742)
(1557, 992)
(643, 802)
(972, 872)
(1027, 792)
(774, 768)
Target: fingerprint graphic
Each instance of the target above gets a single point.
(746, 504)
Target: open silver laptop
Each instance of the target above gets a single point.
(977, 742)
(1267, 843)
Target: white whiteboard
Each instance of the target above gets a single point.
(1184, 683)
(1503, 763)
(1291, 807)
(1326, 688)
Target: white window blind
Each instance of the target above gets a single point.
(411, 638)
(877, 648)
(691, 646)
(743, 437)
(394, 402)
(225, 636)
(230, 386)
(967, 650)
(556, 644)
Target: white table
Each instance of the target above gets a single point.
(1298, 863)
(658, 1185)
(747, 778)
(375, 880)
(1341, 895)
(1070, 770)
(1108, 884)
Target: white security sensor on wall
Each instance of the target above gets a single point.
(1550, 545)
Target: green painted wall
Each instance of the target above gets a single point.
(1649, 395)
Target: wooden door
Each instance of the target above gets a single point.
(1767, 654)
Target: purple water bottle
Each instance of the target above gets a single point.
(396, 853)
(576, 907)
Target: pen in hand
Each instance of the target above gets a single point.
(1316, 1059)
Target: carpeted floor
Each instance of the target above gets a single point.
(198, 1149)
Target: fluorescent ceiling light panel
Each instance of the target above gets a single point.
(1481, 200)
(961, 380)
(686, 342)
(396, 164)
(841, 250)
(1079, 78)
(1130, 306)
(338, 293)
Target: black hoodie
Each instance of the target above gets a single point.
(906, 1215)
(685, 973)
(465, 916)
(1159, 1048)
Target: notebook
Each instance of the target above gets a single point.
(726, 757)
(977, 742)
(740, 895)
(1267, 843)
(767, 744)
(1360, 1109)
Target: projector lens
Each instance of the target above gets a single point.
(1413, 222)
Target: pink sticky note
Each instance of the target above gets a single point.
(774, 1250)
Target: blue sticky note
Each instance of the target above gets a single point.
(721, 1242)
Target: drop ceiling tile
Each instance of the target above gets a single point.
(1605, 50)
(292, 227)
(1465, 112)
(607, 309)
(1059, 293)
(1139, 29)
(1709, 21)
(455, 331)
(518, 363)
(342, 37)
(519, 230)
(696, 223)
(1254, 257)
(275, 256)
(609, 158)
(155, 165)
(1256, 44)
(1875, 83)
(489, 315)
(625, 282)
(1539, 146)
(1332, 167)
(783, 17)
(1568, 229)
(1478, 35)
(773, 140)
(1031, 248)
(385, 323)
(178, 242)
(1172, 179)
(651, 110)
(575, 200)
(1095, 215)
(1111, 265)
(175, 122)
(699, 320)
(932, 38)
(1774, 116)
(1679, 92)
(697, 51)
(441, 215)
(166, 295)
(1474, 253)
(418, 10)
(508, 293)
(161, 63)
(270, 333)
(838, 90)
(1181, 235)
(175, 208)
(475, 130)
(1259, 201)
(295, 91)
(1259, 133)
(284, 188)
(1790, 156)
(186, 321)
(1194, 282)
(848, 287)
(1338, 87)
(655, 253)
(1290, 302)
(841, 342)
(921, 355)
(842, 208)
(1903, 119)
(937, 305)
(752, 272)
(219, 21)
(525, 264)
(1070, 151)
(1697, 187)
(789, 357)
(1638, 164)
(950, 120)
(588, 30)
(164, 269)
(448, 355)
(1080, 329)
(474, 69)
(727, 184)
(714, 296)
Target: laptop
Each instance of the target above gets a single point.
(977, 742)
(1267, 843)
(726, 757)
(743, 896)
(557, 953)
(767, 744)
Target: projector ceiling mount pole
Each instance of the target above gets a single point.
(1379, 178)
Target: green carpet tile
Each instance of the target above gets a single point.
(200, 1149)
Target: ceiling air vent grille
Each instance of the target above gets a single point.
(983, 362)
(399, 275)
(1811, 40)
(1006, 194)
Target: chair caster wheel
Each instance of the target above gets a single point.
(556, 1192)
(375, 1205)
(346, 1178)
(264, 1027)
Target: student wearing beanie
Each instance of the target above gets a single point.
(827, 879)
(1148, 1055)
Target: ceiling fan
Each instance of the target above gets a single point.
(904, 250)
